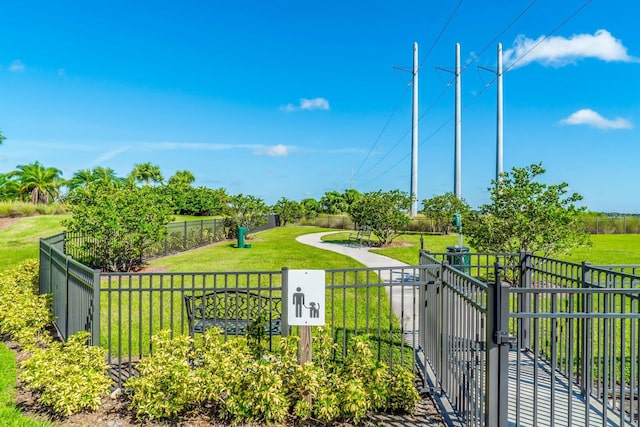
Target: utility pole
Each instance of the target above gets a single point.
(414, 132)
(414, 135)
(499, 129)
(499, 121)
(457, 186)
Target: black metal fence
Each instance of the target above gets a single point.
(542, 342)
(123, 310)
(605, 225)
(179, 237)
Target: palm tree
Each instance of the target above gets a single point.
(146, 172)
(8, 188)
(81, 178)
(105, 176)
(37, 183)
(183, 177)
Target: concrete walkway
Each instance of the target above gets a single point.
(433, 410)
(360, 254)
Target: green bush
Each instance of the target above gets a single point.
(23, 313)
(70, 377)
(239, 383)
(167, 385)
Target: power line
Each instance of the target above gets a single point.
(554, 30)
(384, 128)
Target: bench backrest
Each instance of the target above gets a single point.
(232, 304)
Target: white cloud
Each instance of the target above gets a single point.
(591, 118)
(109, 155)
(308, 104)
(560, 51)
(278, 150)
(16, 66)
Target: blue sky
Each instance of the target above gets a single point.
(297, 98)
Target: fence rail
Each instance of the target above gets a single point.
(605, 225)
(556, 343)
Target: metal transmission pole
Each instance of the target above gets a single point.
(499, 129)
(499, 125)
(414, 135)
(457, 186)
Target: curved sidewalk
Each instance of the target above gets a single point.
(360, 254)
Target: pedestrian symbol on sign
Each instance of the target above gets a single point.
(306, 298)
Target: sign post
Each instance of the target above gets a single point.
(305, 306)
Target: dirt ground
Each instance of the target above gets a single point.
(7, 222)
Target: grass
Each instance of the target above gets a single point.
(270, 250)
(20, 241)
(9, 414)
(606, 249)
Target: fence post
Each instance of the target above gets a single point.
(284, 315)
(444, 326)
(586, 376)
(524, 304)
(66, 298)
(95, 320)
(185, 235)
(498, 342)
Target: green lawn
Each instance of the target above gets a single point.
(19, 242)
(270, 250)
(606, 249)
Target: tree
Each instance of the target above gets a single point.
(106, 176)
(246, 211)
(118, 223)
(183, 177)
(310, 208)
(36, 183)
(2, 138)
(81, 178)
(333, 203)
(384, 213)
(288, 210)
(8, 188)
(441, 209)
(146, 172)
(529, 216)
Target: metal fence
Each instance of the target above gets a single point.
(545, 342)
(74, 288)
(605, 225)
(179, 237)
(127, 309)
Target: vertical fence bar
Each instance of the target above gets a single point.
(285, 301)
(95, 319)
(586, 367)
(524, 324)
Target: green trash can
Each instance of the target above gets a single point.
(458, 257)
(242, 231)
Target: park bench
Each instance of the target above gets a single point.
(361, 237)
(233, 312)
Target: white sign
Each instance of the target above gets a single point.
(305, 299)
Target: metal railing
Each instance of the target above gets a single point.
(74, 288)
(554, 343)
(179, 237)
(127, 309)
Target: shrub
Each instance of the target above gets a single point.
(167, 385)
(237, 382)
(70, 377)
(23, 313)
